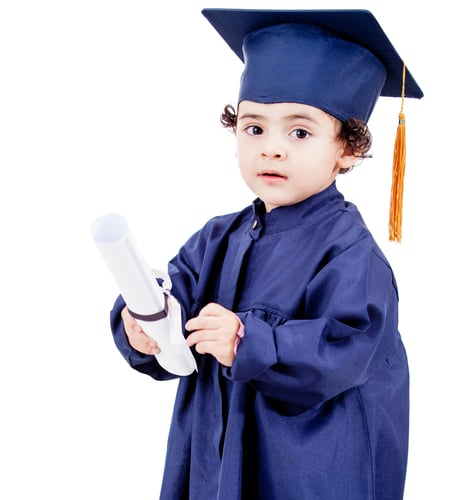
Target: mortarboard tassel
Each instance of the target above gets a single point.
(398, 174)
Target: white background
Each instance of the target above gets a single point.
(109, 105)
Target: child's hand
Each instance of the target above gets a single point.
(136, 336)
(215, 332)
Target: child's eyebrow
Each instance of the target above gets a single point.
(250, 116)
(291, 118)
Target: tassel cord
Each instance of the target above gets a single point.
(398, 173)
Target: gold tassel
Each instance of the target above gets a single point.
(398, 174)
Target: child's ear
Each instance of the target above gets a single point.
(345, 161)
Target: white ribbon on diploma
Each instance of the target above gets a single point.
(152, 305)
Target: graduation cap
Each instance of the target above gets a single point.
(339, 61)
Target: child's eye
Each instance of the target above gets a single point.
(254, 130)
(299, 133)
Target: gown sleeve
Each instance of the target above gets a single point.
(348, 327)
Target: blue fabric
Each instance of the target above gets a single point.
(316, 403)
(309, 65)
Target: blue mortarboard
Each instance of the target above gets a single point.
(339, 61)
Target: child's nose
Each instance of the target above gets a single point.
(274, 153)
(273, 147)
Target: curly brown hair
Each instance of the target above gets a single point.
(354, 133)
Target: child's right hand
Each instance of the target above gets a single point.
(136, 336)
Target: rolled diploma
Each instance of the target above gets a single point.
(141, 292)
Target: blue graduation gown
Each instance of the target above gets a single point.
(315, 406)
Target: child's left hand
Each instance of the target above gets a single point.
(215, 329)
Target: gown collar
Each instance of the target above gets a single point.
(315, 207)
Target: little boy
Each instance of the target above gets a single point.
(289, 305)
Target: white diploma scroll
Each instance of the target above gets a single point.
(152, 305)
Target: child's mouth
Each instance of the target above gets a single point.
(272, 175)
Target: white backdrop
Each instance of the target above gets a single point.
(113, 105)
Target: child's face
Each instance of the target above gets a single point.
(287, 152)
